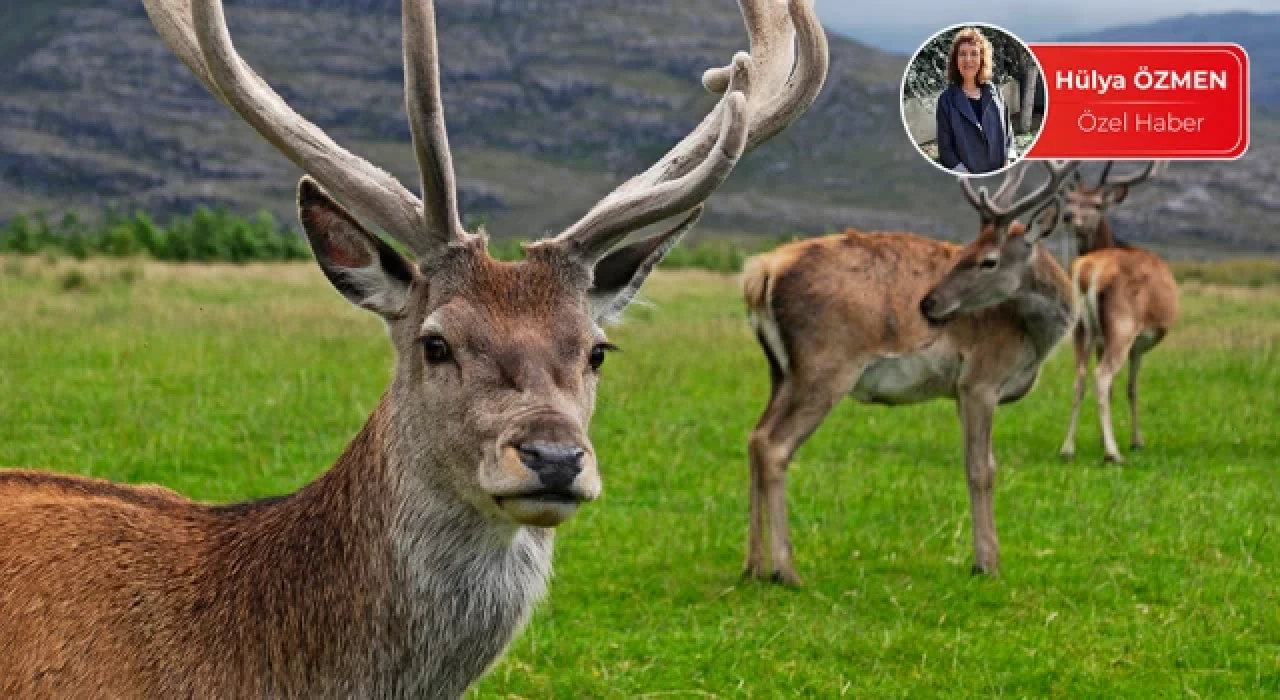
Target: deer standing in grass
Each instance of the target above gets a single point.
(896, 318)
(1128, 302)
(407, 567)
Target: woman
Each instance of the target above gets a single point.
(974, 134)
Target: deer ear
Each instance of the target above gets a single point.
(361, 266)
(1044, 220)
(617, 276)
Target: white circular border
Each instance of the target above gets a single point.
(902, 92)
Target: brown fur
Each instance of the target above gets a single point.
(407, 566)
(118, 591)
(843, 303)
(1129, 303)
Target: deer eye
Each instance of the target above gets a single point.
(436, 349)
(989, 263)
(596, 358)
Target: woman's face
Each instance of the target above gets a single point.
(969, 60)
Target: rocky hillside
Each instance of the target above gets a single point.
(549, 103)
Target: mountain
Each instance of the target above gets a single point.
(1256, 32)
(1215, 207)
(550, 103)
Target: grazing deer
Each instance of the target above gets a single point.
(407, 567)
(896, 318)
(1128, 302)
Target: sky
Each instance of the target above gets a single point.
(903, 25)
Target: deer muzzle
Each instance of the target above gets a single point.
(548, 481)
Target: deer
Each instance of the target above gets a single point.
(898, 318)
(407, 567)
(1128, 301)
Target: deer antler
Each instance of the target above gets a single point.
(426, 120)
(1001, 215)
(1012, 180)
(196, 30)
(1154, 167)
(763, 92)
(1004, 194)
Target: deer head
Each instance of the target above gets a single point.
(497, 363)
(991, 269)
(1086, 207)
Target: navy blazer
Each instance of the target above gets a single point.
(980, 145)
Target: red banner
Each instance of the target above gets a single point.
(1144, 101)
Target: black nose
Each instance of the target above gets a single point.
(557, 464)
(927, 305)
(1067, 216)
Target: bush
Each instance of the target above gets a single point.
(207, 236)
(214, 235)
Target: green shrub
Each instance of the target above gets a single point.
(209, 235)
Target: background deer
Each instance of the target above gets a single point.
(405, 569)
(1128, 302)
(896, 318)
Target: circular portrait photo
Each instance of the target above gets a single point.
(973, 99)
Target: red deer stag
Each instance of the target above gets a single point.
(406, 568)
(896, 318)
(1128, 302)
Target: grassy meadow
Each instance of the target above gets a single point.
(1160, 578)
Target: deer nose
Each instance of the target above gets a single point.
(927, 305)
(557, 464)
(1067, 216)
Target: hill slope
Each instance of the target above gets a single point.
(549, 104)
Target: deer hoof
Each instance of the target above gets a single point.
(1113, 459)
(981, 570)
(787, 578)
(1067, 454)
(753, 570)
(1138, 444)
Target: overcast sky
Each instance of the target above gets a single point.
(903, 25)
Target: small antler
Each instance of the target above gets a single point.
(1154, 167)
(763, 92)
(1001, 215)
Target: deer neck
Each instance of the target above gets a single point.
(1102, 238)
(1044, 305)
(371, 582)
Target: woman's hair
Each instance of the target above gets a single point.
(966, 36)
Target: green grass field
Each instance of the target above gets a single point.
(1156, 579)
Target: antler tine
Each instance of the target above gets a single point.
(974, 199)
(426, 121)
(772, 35)
(1154, 167)
(197, 33)
(1106, 170)
(766, 90)
(1012, 180)
(1058, 173)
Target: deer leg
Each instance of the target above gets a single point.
(977, 412)
(1081, 341)
(1135, 365)
(797, 410)
(757, 452)
(1109, 365)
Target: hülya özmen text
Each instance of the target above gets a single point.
(1139, 122)
(1143, 79)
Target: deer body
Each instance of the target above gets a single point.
(895, 318)
(362, 584)
(1128, 302)
(406, 569)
